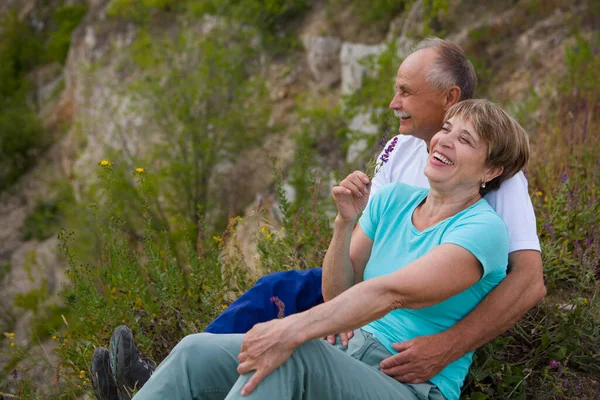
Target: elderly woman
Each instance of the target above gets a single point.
(418, 261)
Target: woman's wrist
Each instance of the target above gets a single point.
(341, 222)
(296, 330)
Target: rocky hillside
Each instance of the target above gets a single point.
(518, 48)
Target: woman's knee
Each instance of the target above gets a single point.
(208, 346)
(194, 343)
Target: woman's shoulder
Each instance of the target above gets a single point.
(481, 213)
(396, 197)
(401, 190)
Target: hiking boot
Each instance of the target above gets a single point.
(104, 384)
(130, 370)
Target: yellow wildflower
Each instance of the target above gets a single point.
(585, 301)
(224, 306)
(217, 239)
(12, 344)
(264, 230)
(11, 336)
(282, 229)
(139, 170)
(539, 193)
(82, 374)
(104, 163)
(85, 382)
(53, 337)
(269, 237)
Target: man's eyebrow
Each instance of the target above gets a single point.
(404, 87)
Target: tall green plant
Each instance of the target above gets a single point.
(20, 128)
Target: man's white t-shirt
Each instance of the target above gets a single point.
(407, 162)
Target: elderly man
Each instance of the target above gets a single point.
(435, 76)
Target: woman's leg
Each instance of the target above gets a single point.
(201, 366)
(318, 371)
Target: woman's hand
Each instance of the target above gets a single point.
(264, 348)
(352, 195)
(344, 337)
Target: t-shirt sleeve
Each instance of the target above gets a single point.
(375, 208)
(513, 204)
(485, 236)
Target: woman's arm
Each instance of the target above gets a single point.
(440, 274)
(443, 272)
(343, 264)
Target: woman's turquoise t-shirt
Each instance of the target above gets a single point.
(397, 242)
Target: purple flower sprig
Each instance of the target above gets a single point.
(374, 165)
(386, 153)
(280, 306)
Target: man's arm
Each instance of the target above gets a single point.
(422, 358)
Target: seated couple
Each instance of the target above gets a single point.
(418, 261)
(416, 264)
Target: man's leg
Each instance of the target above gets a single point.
(298, 290)
(318, 370)
(201, 366)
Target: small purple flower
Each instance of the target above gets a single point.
(383, 140)
(553, 364)
(588, 242)
(15, 374)
(386, 153)
(596, 51)
(550, 231)
(565, 383)
(280, 306)
(579, 386)
(564, 177)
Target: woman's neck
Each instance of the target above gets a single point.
(438, 206)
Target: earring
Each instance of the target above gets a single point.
(483, 185)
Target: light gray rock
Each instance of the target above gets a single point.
(362, 124)
(323, 58)
(353, 71)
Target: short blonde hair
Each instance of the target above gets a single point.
(508, 142)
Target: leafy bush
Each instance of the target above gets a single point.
(269, 16)
(67, 19)
(20, 128)
(139, 11)
(48, 216)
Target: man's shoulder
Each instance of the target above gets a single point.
(409, 141)
(515, 188)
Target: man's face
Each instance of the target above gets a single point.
(420, 108)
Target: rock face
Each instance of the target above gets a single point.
(353, 72)
(323, 58)
(104, 117)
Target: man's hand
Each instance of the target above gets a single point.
(352, 195)
(344, 336)
(418, 360)
(264, 348)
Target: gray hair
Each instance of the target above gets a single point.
(452, 67)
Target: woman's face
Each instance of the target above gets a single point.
(457, 157)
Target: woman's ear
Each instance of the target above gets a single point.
(492, 173)
(452, 97)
